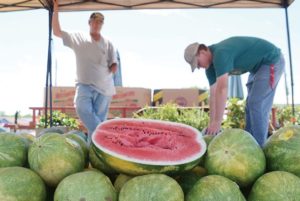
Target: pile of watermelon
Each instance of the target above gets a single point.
(149, 160)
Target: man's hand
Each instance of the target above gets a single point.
(213, 129)
(113, 68)
(55, 21)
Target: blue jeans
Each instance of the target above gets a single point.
(91, 107)
(260, 100)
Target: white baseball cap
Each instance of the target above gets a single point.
(190, 55)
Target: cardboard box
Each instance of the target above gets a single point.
(187, 97)
(63, 96)
(130, 98)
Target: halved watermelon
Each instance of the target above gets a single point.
(136, 146)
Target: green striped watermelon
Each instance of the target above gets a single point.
(79, 133)
(235, 154)
(13, 150)
(276, 186)
(90, 185)
(55, 157)
(215, 188)
(136, 147)
(188, 179)
(121, 180)
(151, 187)
(82, 143)
(21, 184)
(282, 150)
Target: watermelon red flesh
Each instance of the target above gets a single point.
(151, 141)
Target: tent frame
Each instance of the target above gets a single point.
(47, 4)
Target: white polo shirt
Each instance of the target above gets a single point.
(93, 59)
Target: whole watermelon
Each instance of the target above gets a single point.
(83, 145)
(235, 154)
(188, 179)
(151, 187)
(276, 186)
(58, 130)
(90, 185)
(13, 150)
(55, 157)
(29, 138)
(282, 150)
(215, 188)
(79, 133)
(21, 184)
(120, 181)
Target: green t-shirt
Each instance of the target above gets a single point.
(238, 55)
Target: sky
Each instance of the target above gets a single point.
(150, 42)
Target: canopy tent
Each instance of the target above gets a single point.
(80, 5)
(84, 5)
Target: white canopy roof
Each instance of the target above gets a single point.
(80, 5)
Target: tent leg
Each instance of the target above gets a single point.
(290, 57)
(48, 90)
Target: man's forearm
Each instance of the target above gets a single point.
(55, 21)
(212, 103)
(221, 97)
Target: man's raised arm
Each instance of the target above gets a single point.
(55, 21)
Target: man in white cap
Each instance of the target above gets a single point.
(96, 63)
(238, 55)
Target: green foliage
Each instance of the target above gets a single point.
(58, 119)
(235, 114)
(285, 116)
(194, 117)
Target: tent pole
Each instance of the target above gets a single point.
(290, 55)
(49, 74)
(50, 56)
(46, 97)
(286, 87)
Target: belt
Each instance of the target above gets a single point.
(272, 76)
